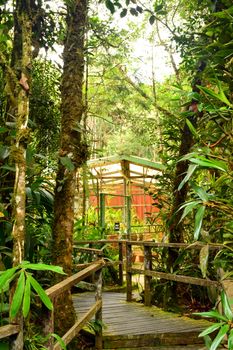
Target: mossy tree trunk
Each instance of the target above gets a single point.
(72, 153)
(20, 75)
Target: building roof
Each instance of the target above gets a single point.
(115, 169)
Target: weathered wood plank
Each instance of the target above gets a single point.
(89, 250)
(66, 284)
(132, 324)
(8, 330)
(177, 278)
(198, 246)
(73, 332)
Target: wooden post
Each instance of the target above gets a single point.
(98, 316)
(128, 216)
(48, 323)
(102, 214)
(121, 267)
(147, 279)
(128, 271)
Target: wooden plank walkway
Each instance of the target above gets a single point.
(131, 325)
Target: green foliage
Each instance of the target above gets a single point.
(223, 325)
(22, 294)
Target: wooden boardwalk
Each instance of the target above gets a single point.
(132, 325)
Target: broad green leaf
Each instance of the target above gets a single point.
(67, 162)
(192, 129)
(6, 276)
(212, 314)
(43, 267)
(26, 298)
(200, 192)
(219, 337)
(18, 295)
(198, 221)
(190, 171)
(60, 340)
(189, 208)
(207, 163)
(226, 307)
(204, 255)
(210, 329)
(41, 293)
(230, 340)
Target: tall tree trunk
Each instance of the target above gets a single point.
(179, 196)
(72, 152)
(21, 75)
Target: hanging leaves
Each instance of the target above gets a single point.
(27, 298)
(191, 169)
(41, 293)
(204, 256)
(18, 296)
(198, 222)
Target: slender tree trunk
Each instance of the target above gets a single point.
(72, 152)
(21, 78)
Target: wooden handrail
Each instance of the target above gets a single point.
(95, 309)
(8, 330)
(66, 284)
(89, 250)
(147, 270)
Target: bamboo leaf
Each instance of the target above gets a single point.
(220, 96)
(60, 340)
(208, 341)
(204, 255)
(219, 337)
(27, 298)
(212, 314)
(230, 340)
(226, 306)
(43, 267)
(189, 208)
(202, 194)
(210, 329)
(191, 128)
(209, 163)
(18, 295)
(190, 171)
(198, 221)
(41, 293)
(6, 276)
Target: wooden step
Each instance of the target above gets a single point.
(152, 340)
(192, 347)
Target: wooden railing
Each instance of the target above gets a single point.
(124, 262)
(149, 272)
(95, 310)
(126, 254)
(98, 253)
(53, 292)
